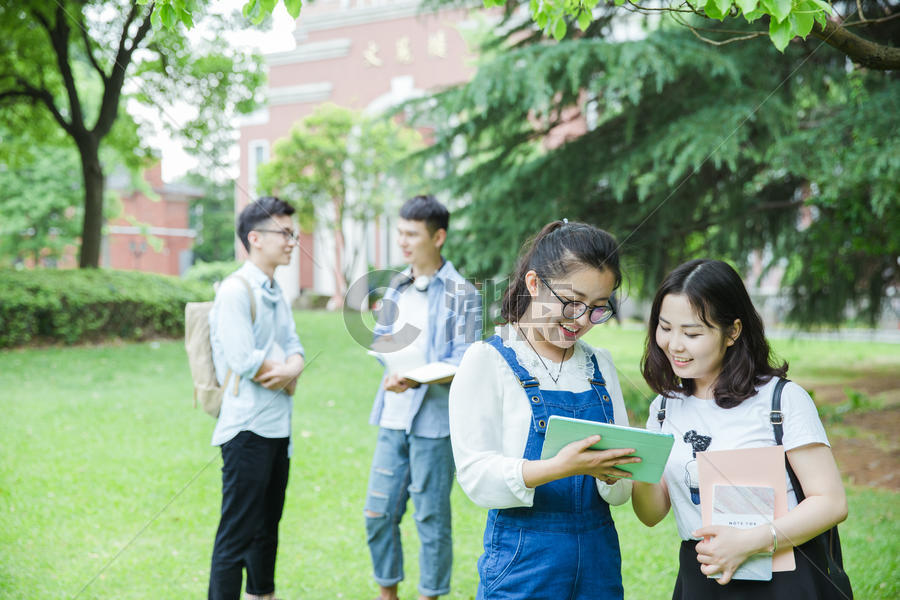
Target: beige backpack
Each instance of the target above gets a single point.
(207, 390)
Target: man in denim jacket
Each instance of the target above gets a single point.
(258, 361)
(430, 311)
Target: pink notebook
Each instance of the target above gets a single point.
(750, 467)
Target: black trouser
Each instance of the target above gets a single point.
(254, 477)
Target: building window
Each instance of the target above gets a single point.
(258, 151)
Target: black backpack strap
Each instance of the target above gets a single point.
(661, 413)
(829, 541)
(776, 417)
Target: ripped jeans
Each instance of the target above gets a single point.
(407, 466)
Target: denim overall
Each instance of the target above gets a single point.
(565, 546)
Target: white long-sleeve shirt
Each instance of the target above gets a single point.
(490, 417)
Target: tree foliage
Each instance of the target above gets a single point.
(779, 20)
(40, 207)
(41, 192)
(72, 64)
(338, 163)
(680, 150)
(170, 13)
(212, 217)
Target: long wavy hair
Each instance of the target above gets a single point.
(717, 294)
(556, 250)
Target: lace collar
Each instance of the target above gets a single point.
(577, 369)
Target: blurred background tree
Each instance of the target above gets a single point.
(40, 207)
(213, 218)
(680, 149)
(71, 66)
(681, 135)
(340, 165)
(851, 29)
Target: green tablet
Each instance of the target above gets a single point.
(652, 447)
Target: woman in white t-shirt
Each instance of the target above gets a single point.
(549, 532)
(708, 358)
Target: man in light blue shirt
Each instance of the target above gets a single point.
(258, 360)
(433, 314)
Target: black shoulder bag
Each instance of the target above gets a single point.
(826, 546)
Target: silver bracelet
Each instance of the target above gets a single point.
(774, 538)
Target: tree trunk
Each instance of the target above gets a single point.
(340, 284)
(92, 228)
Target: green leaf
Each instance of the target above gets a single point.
(251, 9)
(293, 7)
(779, 9)
(821, 20)
(802, 23)
(167, 14)
(186, 18)
(756, 14)
(619, 2)
(155, 20)
(559, 30)
(584, 20)
(780, 33)
(713, 12)
(723, 5)
(747, 6)
(823, 5)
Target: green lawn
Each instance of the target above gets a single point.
(109, 487)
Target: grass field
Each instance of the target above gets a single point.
(109, 487)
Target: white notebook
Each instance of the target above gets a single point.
(745, 507)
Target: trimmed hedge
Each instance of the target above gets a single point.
(89, 305)
(211, 272)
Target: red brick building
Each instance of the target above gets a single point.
(130, 240)
(165, 220)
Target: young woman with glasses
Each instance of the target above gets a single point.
(549, 533)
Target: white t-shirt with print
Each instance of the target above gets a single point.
(700, 424)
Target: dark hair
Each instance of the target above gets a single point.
(717, 293)
(556, 250)
(256, 212)
(428, 209)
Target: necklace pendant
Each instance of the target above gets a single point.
(544, 364)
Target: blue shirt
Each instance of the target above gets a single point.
(241, 345)
(454, 322)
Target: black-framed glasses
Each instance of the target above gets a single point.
(289, 236)
(572, 309)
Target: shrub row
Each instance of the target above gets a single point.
(89, 305)
(211, 272)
